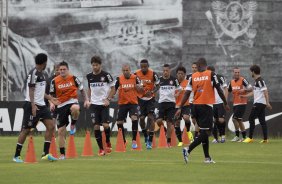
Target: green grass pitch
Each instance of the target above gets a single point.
(236, 163)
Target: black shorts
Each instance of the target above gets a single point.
(146, 106)
(29, 121)
(218, 111)
(166, 111)
(63, 115)
(99, 114)
(239, 111)
(192, 112)
(185, 110)
(123, 110)
(204, 116)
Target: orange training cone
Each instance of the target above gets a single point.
(120, 147)
(71, 150)
(154, 144)
(30, 153)
(173, 137)
(138, 141)
(162, 139)
(53, 147)
(185, 139)
(87, 148)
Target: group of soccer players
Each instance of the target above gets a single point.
(200, 96)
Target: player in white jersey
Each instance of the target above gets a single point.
(261, 101)
(168, 86)
(101, 90)
(218, 110)
(35, 108)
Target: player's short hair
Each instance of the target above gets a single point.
(202, 62)
(96, 59)
(255, 69)
(211, 68)
(194, 63)
(145, 61)
(63, 63)
(166, 65)
(40, 58)
(181, 68)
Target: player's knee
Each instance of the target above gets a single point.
(134, 118)
(106, 125)
(96, 127)
(186, 117)
(221, 120)
(25, 131)
(177, 124)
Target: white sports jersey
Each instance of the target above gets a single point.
(259, 89)
(99, 85)
(223, 85)
(191, 97)
(38, 80)
(167, 89)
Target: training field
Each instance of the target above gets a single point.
(236, 163)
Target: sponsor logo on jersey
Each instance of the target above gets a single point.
(202, 78)
(66, 85)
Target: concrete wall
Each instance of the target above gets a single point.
(199, 41)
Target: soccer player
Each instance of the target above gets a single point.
(168, 86)
(261, 101)
(218, 110)
(190, 136)
(202, 83)
(128, 85)
(146, 100)
(185, 111)
(35, 108)
(238, 86)
(64, 87)
(101, 91)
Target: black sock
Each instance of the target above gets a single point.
(168, 140)
(165, 129)
(73, 121)
(144, 131)
(195, 143)
(214, 130)
(205, 145)
(222, 128)
(134, 129)
(98, 136)
(18, 149)
(63, 150)
(120, 126)
(46, 148)
(196, 134)
(178, 134)
(252, 128)
(151, 135)
(243, 134)
(108, 134)
(188, 125)
(237, 133)
(264, 131)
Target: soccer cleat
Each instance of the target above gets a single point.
(215, 141)
(264, 141)
(108, 147)
(180, 144)
(18, 159)
(62, 157)
(101, 153)
(248, 140)
(134, 145)
(209, 161)
(235, 139)
(185, 154)
(49, 157)
(222, 140)
(72, 129)
(190, 136)
(149, 145)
